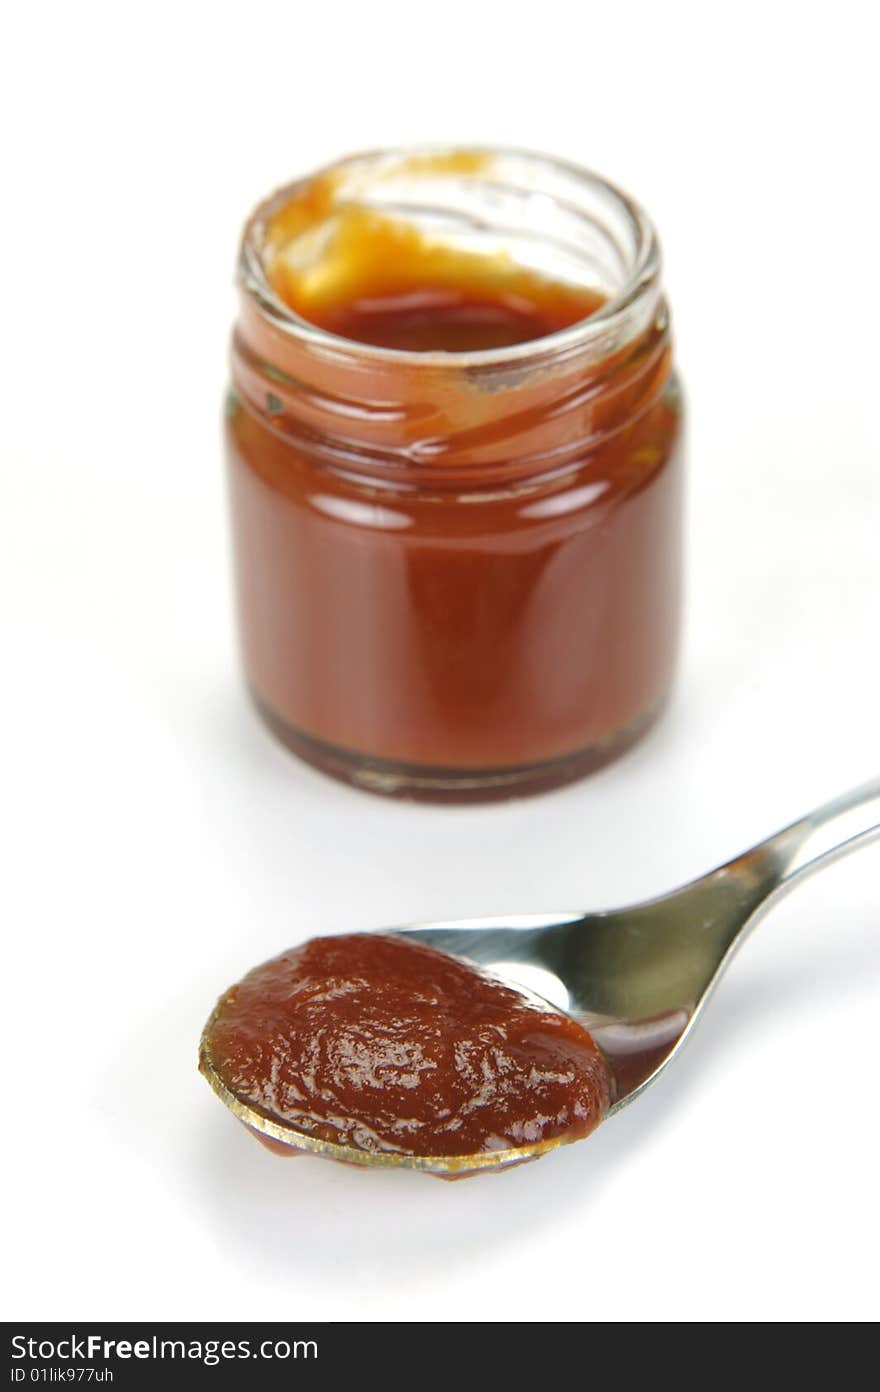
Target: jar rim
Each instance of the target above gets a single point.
(599, 332)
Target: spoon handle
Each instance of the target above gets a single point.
(833, 830)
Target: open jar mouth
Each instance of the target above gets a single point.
(550, 216)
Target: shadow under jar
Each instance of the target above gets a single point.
(454, 451)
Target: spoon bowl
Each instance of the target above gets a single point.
(636, 978)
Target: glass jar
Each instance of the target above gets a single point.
(458, 573)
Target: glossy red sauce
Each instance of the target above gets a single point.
(381, 1044)
(439, 318)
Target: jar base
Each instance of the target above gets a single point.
(425, 783)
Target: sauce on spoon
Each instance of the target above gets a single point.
(383, 1045)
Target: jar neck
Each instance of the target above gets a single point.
(466, 418)
(449, 424)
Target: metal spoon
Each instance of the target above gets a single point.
(637, 978)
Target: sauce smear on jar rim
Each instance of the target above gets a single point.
(368, 276)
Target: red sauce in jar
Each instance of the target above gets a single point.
(455, 577)
(383, 1045)
(437, 319)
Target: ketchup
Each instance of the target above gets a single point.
(381, 1044)
(437, 319)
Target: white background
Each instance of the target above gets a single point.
(158, 843)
